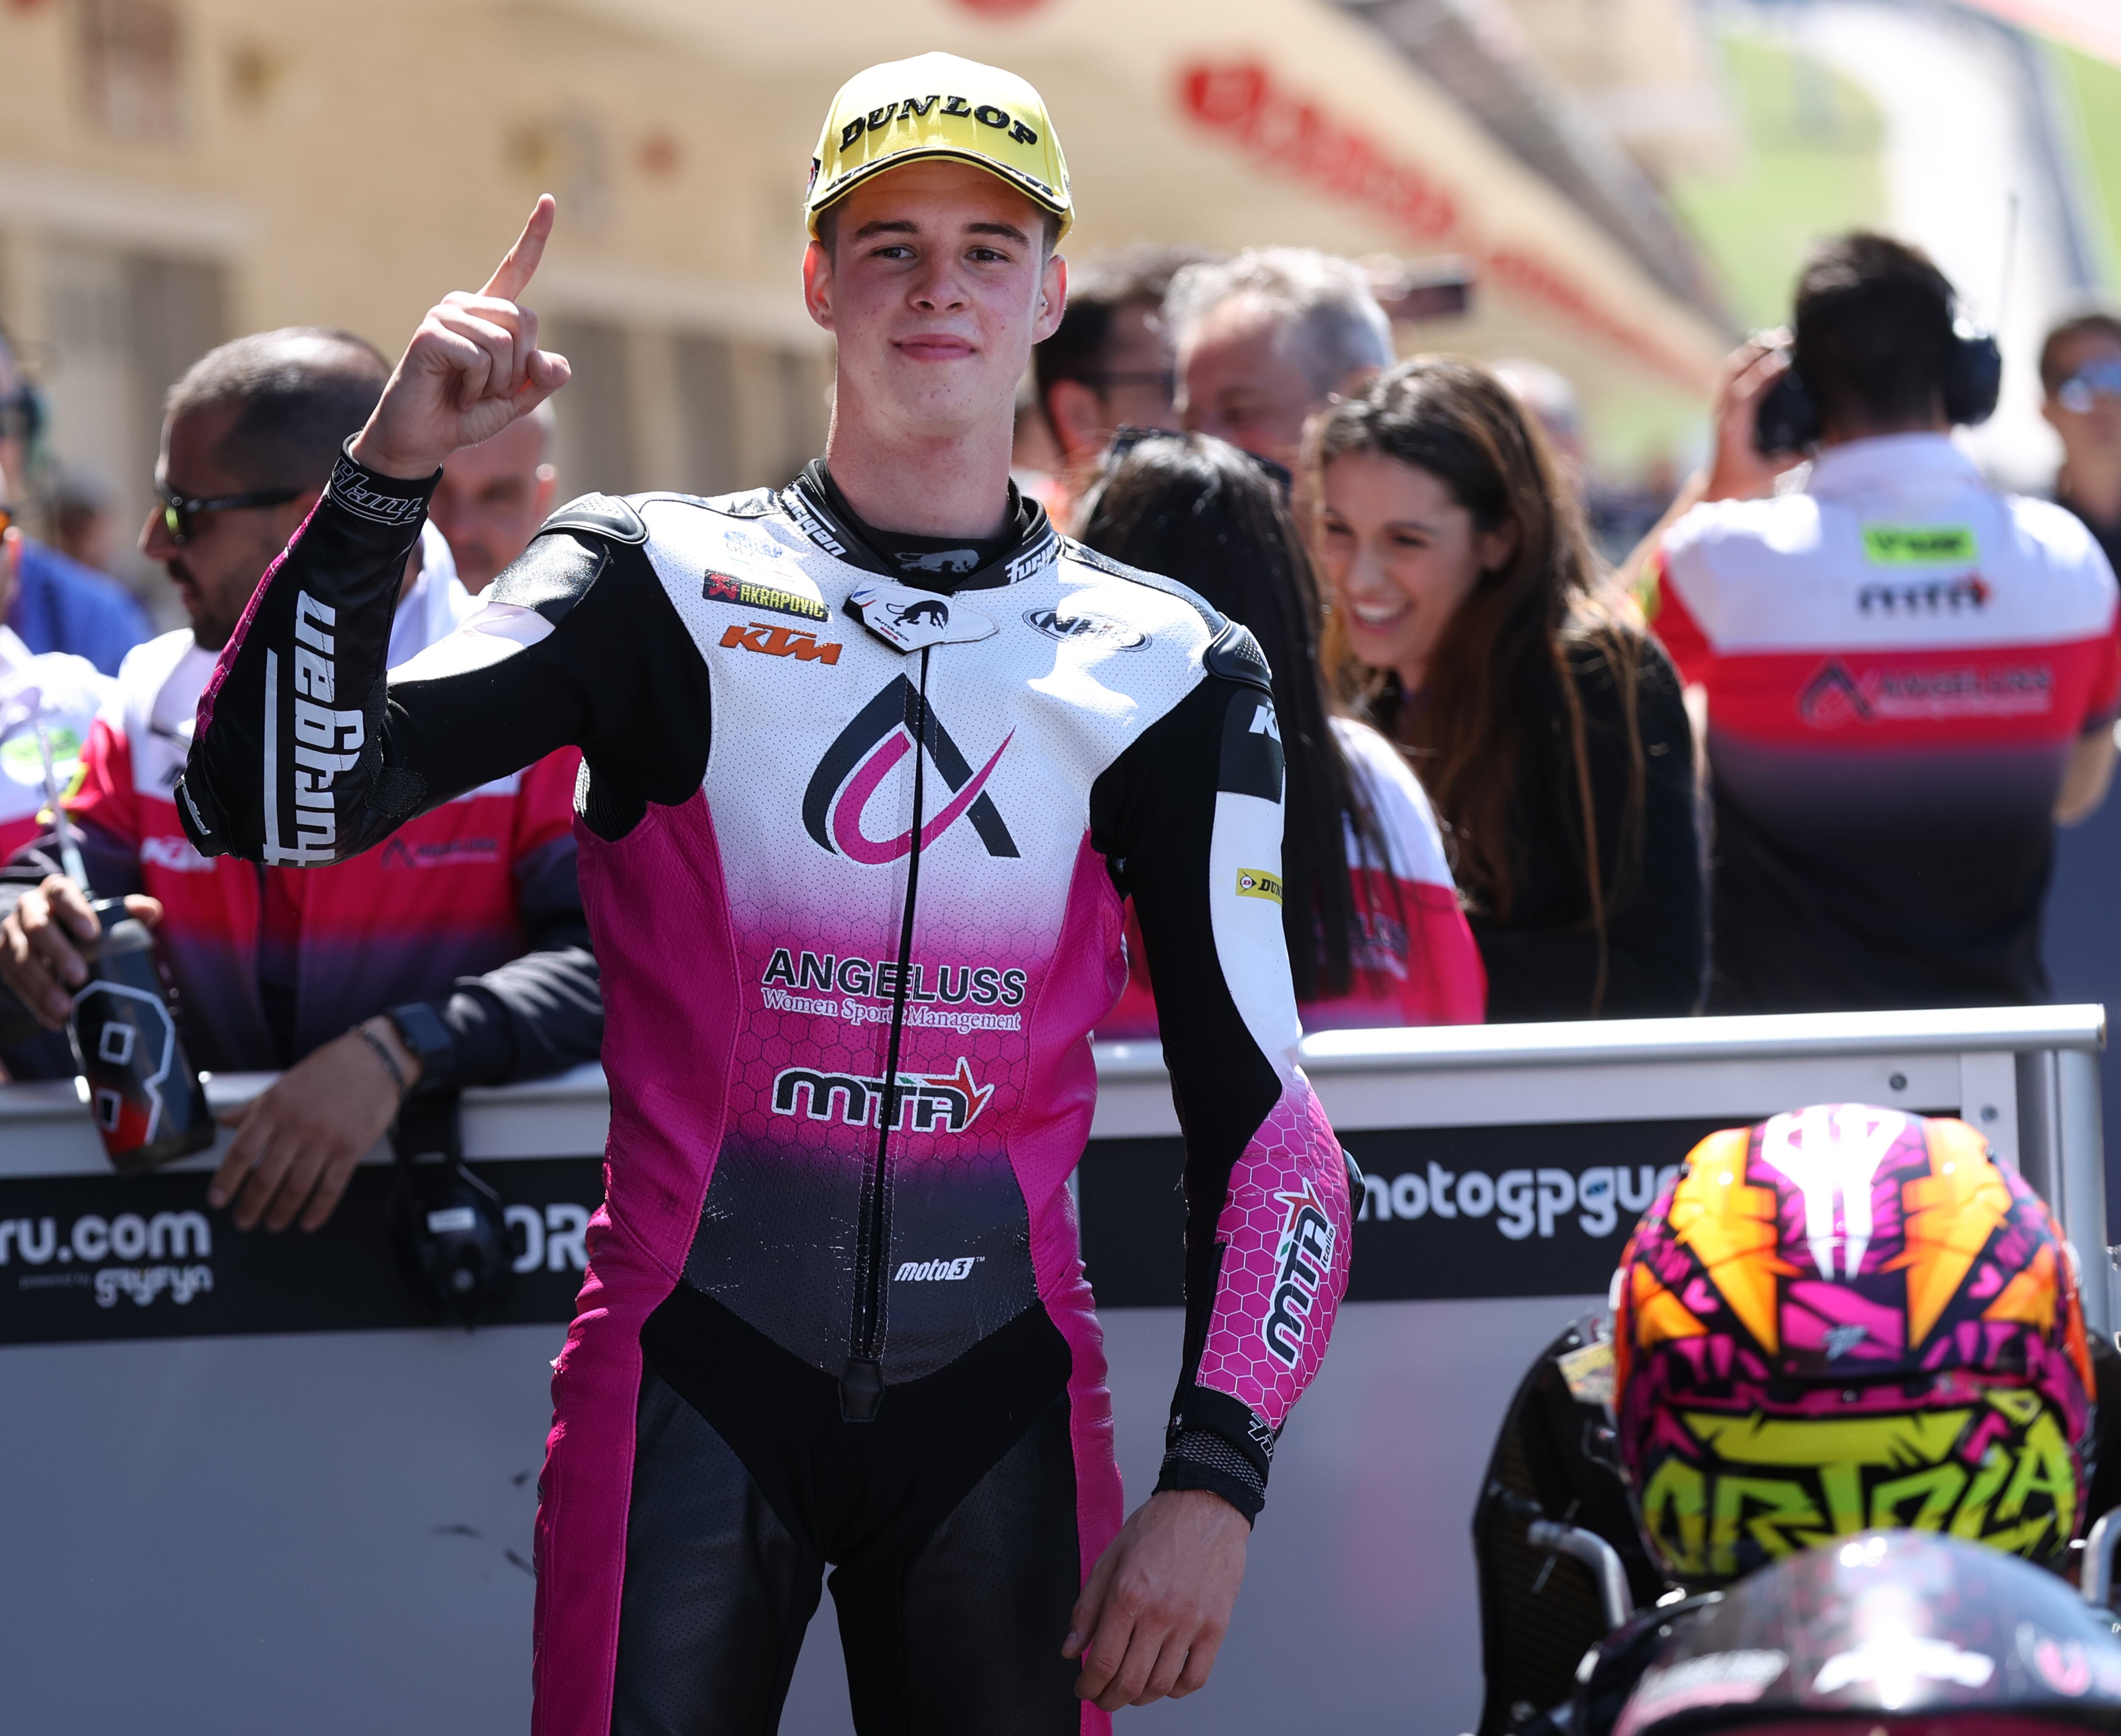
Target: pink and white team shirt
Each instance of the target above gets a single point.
(1899, 660)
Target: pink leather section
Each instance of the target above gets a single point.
(1284, 1230)
(1060, 1090)
(659, 917)
(671, 1002)
(586, 1486)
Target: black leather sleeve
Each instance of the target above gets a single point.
(306, 754)
(1153, 816)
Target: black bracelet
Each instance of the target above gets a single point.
(384, 1055)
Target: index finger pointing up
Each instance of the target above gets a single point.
(512, 275)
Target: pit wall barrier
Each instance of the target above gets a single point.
(249, 1485)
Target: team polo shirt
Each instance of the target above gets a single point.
(1899, 660)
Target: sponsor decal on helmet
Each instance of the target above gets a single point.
(1893, 1663)
(1693, 1684)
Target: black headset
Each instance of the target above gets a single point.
(448, 1230)
(1786, 421)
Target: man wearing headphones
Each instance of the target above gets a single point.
(59, 604)
(870, 763)
(1909, 677)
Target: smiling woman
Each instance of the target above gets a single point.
(1547, 727)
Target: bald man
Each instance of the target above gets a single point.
(493, 497)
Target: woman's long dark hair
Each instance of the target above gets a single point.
(1515, 647)
(1202, 512)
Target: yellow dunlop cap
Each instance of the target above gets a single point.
(939, 106)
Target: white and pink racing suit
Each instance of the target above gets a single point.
(854, 852)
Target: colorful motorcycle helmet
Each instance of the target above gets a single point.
(1889, 1633)
(1849, 1318)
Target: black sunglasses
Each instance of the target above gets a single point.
(1124, 440)
(177, 512)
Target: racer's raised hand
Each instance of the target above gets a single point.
(472, 368)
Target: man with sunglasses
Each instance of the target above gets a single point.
(1108, 364)
(2081, 372)
(457, 955)
(58, 604)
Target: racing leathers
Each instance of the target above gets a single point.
(854, 851)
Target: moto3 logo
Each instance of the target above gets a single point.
(867, 751)
(1102, 629)
(938, 1272)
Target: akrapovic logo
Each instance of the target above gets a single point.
(1304, 1256)
(938, 1272)
(945, 1103)
(723, 587)
(327, 741)
(867, 751)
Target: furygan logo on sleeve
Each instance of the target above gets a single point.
(327, 741)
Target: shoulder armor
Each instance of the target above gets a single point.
(555, 572)
(1087, 556)
(752, 503)
(1235, 655)
(601, 514)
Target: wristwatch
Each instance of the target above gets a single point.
(431, 1041)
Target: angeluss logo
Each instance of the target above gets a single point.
(1105, 631)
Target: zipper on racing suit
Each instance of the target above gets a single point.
(861, 1387)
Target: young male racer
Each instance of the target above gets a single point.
(861, 802)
